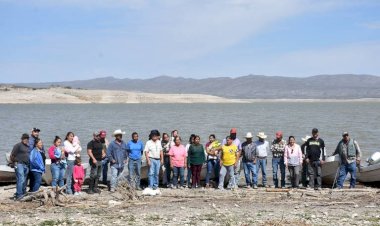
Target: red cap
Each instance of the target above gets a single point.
(233, 130)
(102, 134)
(278, 134)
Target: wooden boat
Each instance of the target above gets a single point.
(7, 174)
(369, 173)
(329, 169)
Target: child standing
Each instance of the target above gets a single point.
(78, 175)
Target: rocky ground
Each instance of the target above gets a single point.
(202, 207)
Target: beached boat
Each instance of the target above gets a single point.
(329, 169)
(371, 172)
(7, 174)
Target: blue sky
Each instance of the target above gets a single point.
(44, 40)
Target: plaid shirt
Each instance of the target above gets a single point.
(278, 148)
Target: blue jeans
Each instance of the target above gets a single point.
(134, 168)
(115, 172)
(262, 164)
(278, 163)
(57, 173)
(213, 165)
(222, 174)
(37, 179)
(178, 171)
(69, 176)
(250, 169)
(188, 176)
(154, 171)
(344, 169)
(22, 172)
(105, 170)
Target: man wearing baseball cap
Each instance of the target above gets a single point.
(315, 157)
(349, 152)
(278, 148)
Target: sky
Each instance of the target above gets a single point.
(49, 41)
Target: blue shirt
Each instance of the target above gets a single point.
(36, 161)
(117, 152)
(135, 149)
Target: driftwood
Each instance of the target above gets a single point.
(47, 196)
(127, 191)
(277, 190)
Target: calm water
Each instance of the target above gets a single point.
(360, 119)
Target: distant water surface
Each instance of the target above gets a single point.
(361, 119)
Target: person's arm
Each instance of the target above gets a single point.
(286, 156)
(162, 157)
(146, 150)
(308, 154)
(237, 157)
(358, 151)
(189, 154)
(323, 152)
(89, 152)
(221, 159)
(110, 154)
(203, 156)
(300, 155)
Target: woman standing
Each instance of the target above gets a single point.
(196, 159)
(293, 161)
(37, 166)
(178, 156)
(58, 165)
(191, 141)
(71, 150)
(213, 163)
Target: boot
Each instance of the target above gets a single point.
(91, 187)
(96, 189)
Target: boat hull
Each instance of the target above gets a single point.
(370, 173)
(329, 169)
(7, 174)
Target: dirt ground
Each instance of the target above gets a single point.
(202, 207)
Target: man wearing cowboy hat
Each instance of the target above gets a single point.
(305, 165)
(249, 161)
(349, 152)
(154, 158)
(262, 149)
(117, 155)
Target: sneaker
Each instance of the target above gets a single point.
(112, 190)
(255, 186)
(283, 187)
(76, 193)
(174, 187)
(265, 186)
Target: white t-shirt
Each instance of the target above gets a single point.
(153, 148)
(71, 149)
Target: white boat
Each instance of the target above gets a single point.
(369, 173)
(329, 169)
(7, 174)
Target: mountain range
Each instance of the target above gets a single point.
(342, 86)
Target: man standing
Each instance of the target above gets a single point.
(105, 160)
(249, 161)
(349, 153)
(135, 150)
(236, 142)
(96, 152)
(154, 158)
(262, 149)
(117, 155)
(20, 161)
(278, 148)
(305, 165)
(315, 157)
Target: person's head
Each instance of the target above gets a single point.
(249, 137)
(57, 141)
(118, 134)
(154, 135)
(346, 136)
(292, 140)
(36, 132)
(135, 136)
(38, 143)
(315, 133)
(191, 139)
(69, 137)
(177, 140)
(197, 139)
(279, 135)
(211, 138)
(229, 140)
(25, 138)
(165, 137)
(261, 136)
(233, 132)
(102, 135)
(174, 133)
(78, 161)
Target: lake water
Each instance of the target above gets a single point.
(361, 119)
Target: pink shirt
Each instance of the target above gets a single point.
(78, 172)
(178, 155)
(293, 158)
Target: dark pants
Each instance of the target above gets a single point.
(168, 170)
(305, 173)
(196, 174)
(315, 174)
(96, 171)
(105, 163)
(178, 172)
(294, 172)
(213, 166)
(36, 179)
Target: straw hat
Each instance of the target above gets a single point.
(307, 137)
(118, 132)
(262, 135)
(249, 135)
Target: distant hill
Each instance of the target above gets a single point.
(344, 86)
